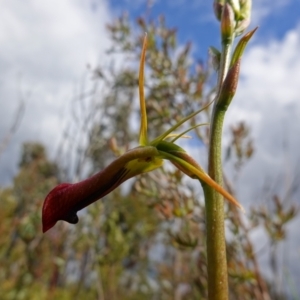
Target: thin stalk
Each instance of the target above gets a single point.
(214, 205)
(214, 202)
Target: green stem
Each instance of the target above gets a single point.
(214, 204)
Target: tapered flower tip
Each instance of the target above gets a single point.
(53, 210)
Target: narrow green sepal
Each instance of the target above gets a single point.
(182, 121)
(190, 167)
(143, 137)
(181, 135)
(177, 136)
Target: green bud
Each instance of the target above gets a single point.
(227, 24)
(244, 16)
(245, 11)
(235, 4)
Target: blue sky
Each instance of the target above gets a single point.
(46, 45)
(195, 21)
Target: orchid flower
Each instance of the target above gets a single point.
(66, 199)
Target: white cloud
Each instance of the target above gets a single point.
(268, 99)
(48, 44)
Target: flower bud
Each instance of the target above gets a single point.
(227, 24)
(218, 8)
(245, 11)
(244, 16)
(229, 86)
(235, 4)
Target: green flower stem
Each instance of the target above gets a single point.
(214, 202)
(214, 205)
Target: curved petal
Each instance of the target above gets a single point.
(65, 200)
